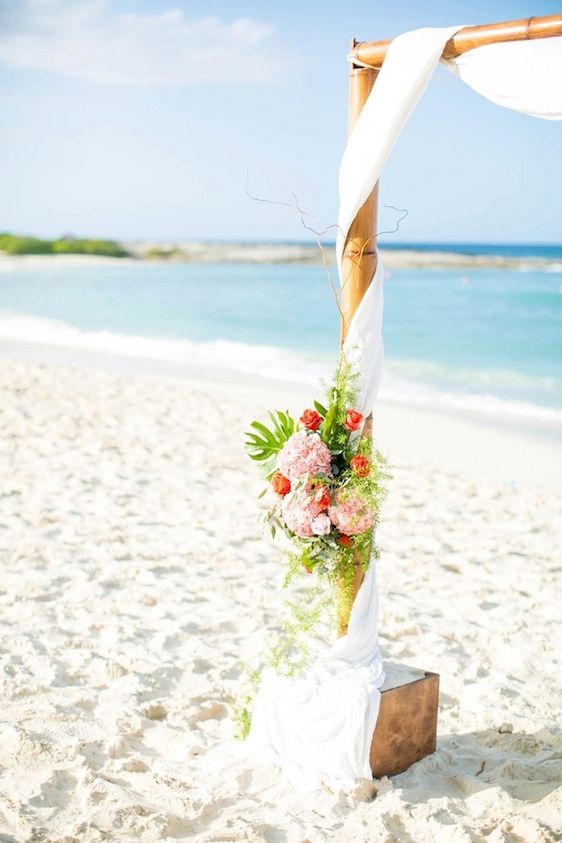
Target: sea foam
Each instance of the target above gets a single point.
(401, 383)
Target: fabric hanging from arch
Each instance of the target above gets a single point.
(524, 76)
(319, 726)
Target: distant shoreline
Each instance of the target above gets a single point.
(284, 253)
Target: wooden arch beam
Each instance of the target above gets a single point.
(372, 53)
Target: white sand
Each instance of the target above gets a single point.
(134, 586)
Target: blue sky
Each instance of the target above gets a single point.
(142, 119)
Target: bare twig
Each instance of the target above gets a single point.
(322, 231)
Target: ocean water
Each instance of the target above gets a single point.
(551, 252)
(484, 341)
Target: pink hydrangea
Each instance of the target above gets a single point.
(304, 453)
(303, 514)
(350, 514)
(321, 525)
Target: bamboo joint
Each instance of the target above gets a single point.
(372, 53)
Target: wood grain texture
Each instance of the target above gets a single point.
(406, 729)
(373, 53)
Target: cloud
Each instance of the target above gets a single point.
(90, 40)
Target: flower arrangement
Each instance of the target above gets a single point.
(325, 485)
(325, 482)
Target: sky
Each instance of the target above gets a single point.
(151, 119)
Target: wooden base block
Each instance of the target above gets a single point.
(406, 729)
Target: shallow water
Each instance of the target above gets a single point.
(489, 340)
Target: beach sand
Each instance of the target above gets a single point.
(136, 584)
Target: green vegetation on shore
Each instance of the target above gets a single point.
(16, 244)
(163, 253)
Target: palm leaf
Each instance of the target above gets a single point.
(264, 443)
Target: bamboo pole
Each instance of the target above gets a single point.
(372, 53)
(359, 257)
(358, 267)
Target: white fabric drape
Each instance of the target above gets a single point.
(525, 76)
(320, 725)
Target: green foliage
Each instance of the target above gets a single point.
(266, 443)
(241, 709)
(342, 395)
(106, 248)
(15, 244)
(291, 652)
(242, 719)
(320, 408)
(163, 253)
(333, 558)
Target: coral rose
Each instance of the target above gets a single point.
(353, 419)
(322, 498)
(311, 419)
(360, 466)
(281, 484)
(344, 541)
(350, 514)
(304, 453)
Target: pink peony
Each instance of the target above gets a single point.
(303, 514)
(349, 513)
(304, 453)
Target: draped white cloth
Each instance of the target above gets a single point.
(525, 76)
(320, 725)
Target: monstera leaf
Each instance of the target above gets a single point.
(264, 443)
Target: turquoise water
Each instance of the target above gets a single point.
(480, 339)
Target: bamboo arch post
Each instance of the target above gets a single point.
(407, 721)
(358, 268)
(359, 258)
(406, 728)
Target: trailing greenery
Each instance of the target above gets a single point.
(302, 620)
(347, 495)
(16, 244)
(341, 394)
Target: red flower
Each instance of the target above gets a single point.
(311, 419)
(280, 483)
(344, 541)
(353, 420)
(360, 466)
(323, 498)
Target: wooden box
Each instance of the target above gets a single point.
(406, 729)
